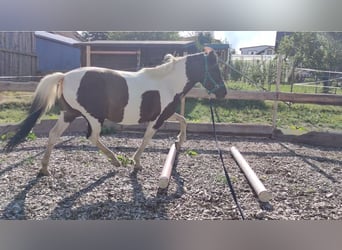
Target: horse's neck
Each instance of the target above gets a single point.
(172, 73)
(161, 70)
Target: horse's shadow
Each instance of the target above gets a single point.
(15, 210)
(140, 207)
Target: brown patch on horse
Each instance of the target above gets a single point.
(194, 67)
(171, 108)
(104, 94)
(150, 106)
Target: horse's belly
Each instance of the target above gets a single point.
(131, 113)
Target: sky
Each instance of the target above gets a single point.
(239, 39)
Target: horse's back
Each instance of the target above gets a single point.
(101, 92)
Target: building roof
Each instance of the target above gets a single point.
(217, 46)
(55, 37)
(258, 46)
(259, 49)
(130, 43)
(71, 34)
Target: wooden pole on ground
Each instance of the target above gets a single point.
(166, 172)
(253, 179)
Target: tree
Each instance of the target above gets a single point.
(143, 36)
(93, 36)
(315, 50)
(131, 36)
(203, 38)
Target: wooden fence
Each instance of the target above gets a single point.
(17, 54)
(322, 99)
(241, 129)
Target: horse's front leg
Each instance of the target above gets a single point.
(182, 134)
(150, 131)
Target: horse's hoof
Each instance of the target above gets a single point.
(137, 167)
(178, 145)
(43, 172)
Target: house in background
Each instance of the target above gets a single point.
(258, 50)
(131, 55)
(56, 52)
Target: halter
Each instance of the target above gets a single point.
(207, 76)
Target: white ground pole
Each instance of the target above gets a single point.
(253, 179)
(166, 172)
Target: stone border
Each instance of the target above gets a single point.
(326, 139)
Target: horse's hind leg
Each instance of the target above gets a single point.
(94, 137)
(63, 122)
(182, 134)
(150, 131)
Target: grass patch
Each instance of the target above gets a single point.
(298, 117)
(5, 137)
(232, 111)
(309, 117)
(302, 117)
(283, 88)
(14, 112)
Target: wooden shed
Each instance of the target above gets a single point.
(131, 55)
(17, 54)
(221, 49)
(56, 52)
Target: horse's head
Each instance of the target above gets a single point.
(204, 68)
(212, 79)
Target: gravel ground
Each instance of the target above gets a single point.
(305, 181)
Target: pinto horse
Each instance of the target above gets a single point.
(150, 96)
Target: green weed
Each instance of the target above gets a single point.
(191, 153)
(31, 136)
(29, 161)
(6, 136)
(222, 179)
(125, 161)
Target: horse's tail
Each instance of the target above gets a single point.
(47, 92)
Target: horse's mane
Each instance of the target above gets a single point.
(165, 68)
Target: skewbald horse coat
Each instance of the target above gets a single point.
(150, 95)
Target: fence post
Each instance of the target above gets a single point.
(88, 55)
(275, 103)
(182, 107)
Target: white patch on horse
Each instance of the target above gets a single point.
(146, 80)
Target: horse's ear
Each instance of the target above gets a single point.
(207, 50)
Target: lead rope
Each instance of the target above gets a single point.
(232, 191)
